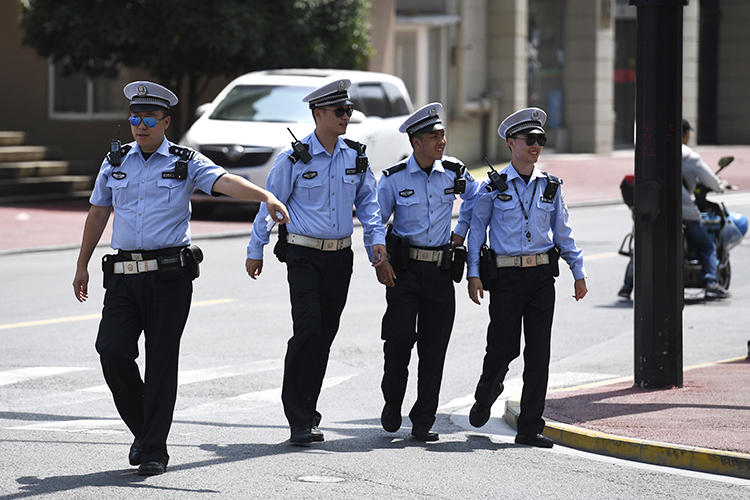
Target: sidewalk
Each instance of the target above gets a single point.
(705, 425)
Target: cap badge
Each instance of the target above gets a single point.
(535, 114)
(433, 111)
(342, 85)
(142, 90)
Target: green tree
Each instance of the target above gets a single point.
(192, 41)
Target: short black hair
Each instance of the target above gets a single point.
(686, 126)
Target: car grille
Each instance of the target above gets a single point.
(235, 155)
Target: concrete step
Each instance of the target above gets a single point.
(12, 138)
(42, 168)
(22, 153)
(60, 185)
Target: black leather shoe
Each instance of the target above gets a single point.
(390, 419)
(424, 434)
(537, 440)
(480, 413)
(134, 456)
(317, 434)
(152, 468)
(625, 292)
(301, 435)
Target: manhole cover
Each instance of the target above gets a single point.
(320, 479)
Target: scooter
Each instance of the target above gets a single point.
(725, 228)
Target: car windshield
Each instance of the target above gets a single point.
(264, 103)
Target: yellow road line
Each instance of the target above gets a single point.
(70, 319)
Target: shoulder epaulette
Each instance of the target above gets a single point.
(454, 167)
(183, 152)
(553, 183)
(394, 169)
(357, 146)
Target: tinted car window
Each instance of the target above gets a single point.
(370, 98)
(396, 98)
(264, 103)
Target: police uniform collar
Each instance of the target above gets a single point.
(316, 147)
(513, 173)
(413, 166)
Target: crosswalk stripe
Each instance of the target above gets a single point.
(29, 373)
(69, 319)
(274, 395)
(207, 374)
(92, 426)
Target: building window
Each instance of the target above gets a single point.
(422, 56)
(78, 97)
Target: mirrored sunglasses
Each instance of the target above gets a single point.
(150, 121)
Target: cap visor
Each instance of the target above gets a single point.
(429, 128)
(139, 108)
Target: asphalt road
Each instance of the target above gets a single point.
(60, 435)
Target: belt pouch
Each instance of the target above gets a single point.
(169, 268)
(281, 247)
(554, 260)
(458, 263)
(446, 259)
(108, 268)
(487, 265)
(192, 256)
(398, 249)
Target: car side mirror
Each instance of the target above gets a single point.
(200, 110)
(357, 117)
(725, 160)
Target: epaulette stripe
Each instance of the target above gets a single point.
(394, 169)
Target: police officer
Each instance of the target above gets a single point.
(421, 300)
(149, 281)
(320, 178)
(528, 222)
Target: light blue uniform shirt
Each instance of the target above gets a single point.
(319, 196)
(547, 223)
(150, 211)
(422, 206)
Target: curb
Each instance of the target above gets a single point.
(726, 463)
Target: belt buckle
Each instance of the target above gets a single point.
(423, 255)
(136, 256)
(329, 244)
(528, 261)
(130, 267)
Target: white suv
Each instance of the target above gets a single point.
(245, 127)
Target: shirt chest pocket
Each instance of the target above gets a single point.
(167, 189)
(350, 186)
(409, 208)
(312, 189)
(543, 212)
(507, 211)
(118, 187)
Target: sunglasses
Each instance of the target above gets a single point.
(150, 121)
(540, 139)
(340, 111)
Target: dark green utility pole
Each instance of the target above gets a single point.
(659, 293)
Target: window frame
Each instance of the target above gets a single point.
(87, 115)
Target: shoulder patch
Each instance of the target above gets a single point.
(406, 192)
(394, 169)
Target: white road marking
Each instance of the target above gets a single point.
(89, 426)
(32, 372)
(206, 374)
(274, 395)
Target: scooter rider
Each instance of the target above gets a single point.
(695, 171)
